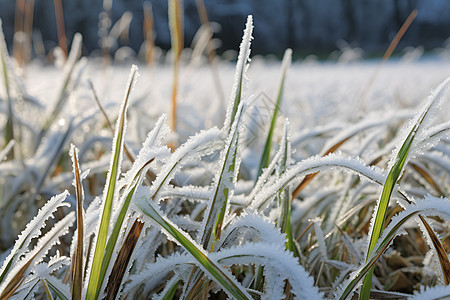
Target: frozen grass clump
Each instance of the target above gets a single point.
(307, 196)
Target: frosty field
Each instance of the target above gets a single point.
(342, 192)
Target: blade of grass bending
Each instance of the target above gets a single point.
(118, 224)
(241, 67)
(177, 40)
(265, 159)
(377, 252)
(77, 260)
(227, 282)
(386, 193)
(113, 174)
(440, 251)
(427, 177)
(44, 244)
(310, 177)
(122, 260)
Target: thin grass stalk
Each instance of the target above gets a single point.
(28, 29)
(177, 39)
(47, 290)
(94, 284)
(77, 263)
(18, 27)
(265, 158)
(440, 251)
(149, 38)
(62, 41)
(389, 52)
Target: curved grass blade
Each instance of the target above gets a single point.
(265, 159)
(110, 189)
(440, 251)
(121, 263)
(31, 231)
(391, 181)
(45, 242)
(427, 206)
(221, 276)
(312, 165)
(77, 260)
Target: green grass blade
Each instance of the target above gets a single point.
(265, 159)
(118, 224)
(170, 294)
(225, 180)
(113, 174)
(391, 180)
(374, 256)
(77, 260)
(221, 276)
(241, 67)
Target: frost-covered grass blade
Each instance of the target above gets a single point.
(109, 192)
(77, 260)
(265, 159)
(220, 275)
(391, 181)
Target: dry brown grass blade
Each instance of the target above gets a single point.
(310, 177)
(442, 255)
(389, 51)
(12, 290)
(122, 260)
(304, 231)
(427, 177)
(77, 260)
(16, 281)
(177, 40)
(149, 38)
(62, 41)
